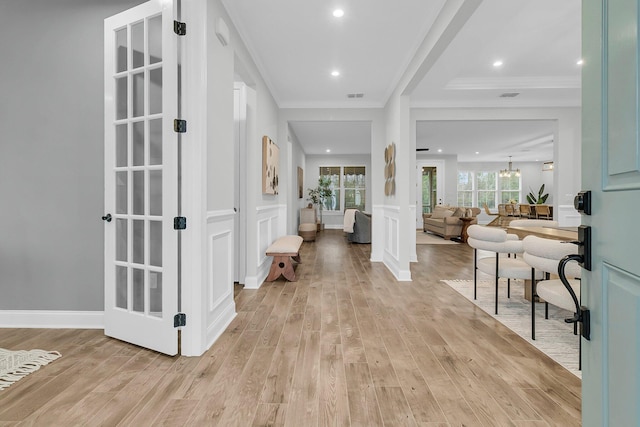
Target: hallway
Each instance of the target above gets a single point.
(345, 345)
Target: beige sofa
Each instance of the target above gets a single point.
(445, 220)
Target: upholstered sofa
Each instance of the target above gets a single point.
(445, 220)
(361, 228)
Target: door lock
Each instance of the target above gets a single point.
(107, 217)
(582, 202)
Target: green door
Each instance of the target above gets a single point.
(611, 170)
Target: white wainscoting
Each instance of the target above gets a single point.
(220, 308)
(271, 223)
(56, 319)
(388, 230)
(567, 216)
(391, 236)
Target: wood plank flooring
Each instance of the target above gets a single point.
(345, 345)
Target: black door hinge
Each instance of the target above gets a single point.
(179, 319)
(180, 28)
(179, 223)
(179, 126)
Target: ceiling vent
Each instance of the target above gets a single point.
(355, 95)
(509, 94)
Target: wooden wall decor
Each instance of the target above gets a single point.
(390, 169)
(270, 166)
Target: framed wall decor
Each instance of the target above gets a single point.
(300, 183)
(270, 166)
(390, 169)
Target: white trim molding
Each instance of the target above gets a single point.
(52, 319)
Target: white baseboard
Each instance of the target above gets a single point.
(52, 319)
(219, 326)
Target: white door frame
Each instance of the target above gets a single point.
(240, 222)
(439, 164)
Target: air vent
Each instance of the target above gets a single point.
(355, 95)
(509, 94)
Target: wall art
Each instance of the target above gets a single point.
(270, 166)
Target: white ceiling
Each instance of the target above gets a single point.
(493, 141)
(296, 44)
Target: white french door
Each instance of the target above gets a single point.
(141, 176)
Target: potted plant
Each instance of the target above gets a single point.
(321, 193)
(539, 199)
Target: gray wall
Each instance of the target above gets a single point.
(51, 153)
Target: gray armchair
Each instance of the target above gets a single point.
(361, 228)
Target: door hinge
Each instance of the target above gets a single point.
(179, 319)
(180, 28)
(179, 126)
(179, 223)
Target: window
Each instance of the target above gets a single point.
(354, 187)
(510, 189)
(465, 189)
(476, 189)
(332, 203)
(486, 184)
(348, 187)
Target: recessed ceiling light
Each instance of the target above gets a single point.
(338, 13)
(335, 73)
(580, 62)
(477, 152)
(439, 150)
(498, 63)
(328, 150)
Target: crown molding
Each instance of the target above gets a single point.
(511, 83)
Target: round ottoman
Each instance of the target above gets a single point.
(307, 231)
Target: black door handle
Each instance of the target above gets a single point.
(582, 314)
(107, 217)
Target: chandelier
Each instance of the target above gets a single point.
(505, 173)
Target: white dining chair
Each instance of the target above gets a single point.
(505, 263)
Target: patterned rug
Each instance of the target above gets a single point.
(15, 365)
(423, 238)
(554, 337)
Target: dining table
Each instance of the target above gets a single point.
(562, 233)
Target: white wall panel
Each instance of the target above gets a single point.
(271, 224)
(219, 305)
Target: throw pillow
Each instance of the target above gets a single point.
(459, 212)
(439, 213)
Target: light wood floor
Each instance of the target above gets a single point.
(345, 345)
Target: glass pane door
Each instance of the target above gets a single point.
(141, 178)
(138, 169)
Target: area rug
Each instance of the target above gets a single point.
(423, 238)
(554, 337)
(15, 365)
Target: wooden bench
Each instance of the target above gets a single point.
(283, 250)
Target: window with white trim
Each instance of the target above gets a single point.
(465, 188)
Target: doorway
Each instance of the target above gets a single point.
(240, 182)
(429, 187)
